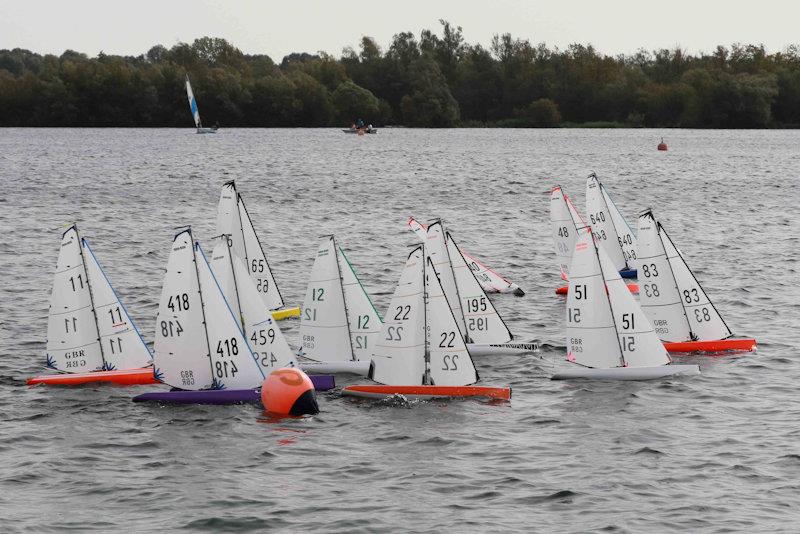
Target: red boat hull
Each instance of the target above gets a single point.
(720, 345)
(125, 377)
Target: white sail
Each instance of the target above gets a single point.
(639, 343)
(436, 249)
(182, 358)
(449, 362)
(659, 296)
(123, 346)
(192, 103)
(324, 329)
(591, 333)
(72, 338)
(364, 320)
(398, 358)
(234, 220)
(705, 321)
(419, 229)
(625, 236)
(603, 223)
(564, 223)
(487, 278)
(484, 324)
(266, 338)
(228, 220)
(233, 361)
(223, 267)
(256, 262)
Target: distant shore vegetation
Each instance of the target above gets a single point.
(433, 79)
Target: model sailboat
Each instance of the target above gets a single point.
(195, 112)
(90, 335)
(489, 280)
(339, 324)
(565, 222)
(420, 353)
(610, 228)
(200, 346)
(479, 322)
(234, 221)
(608, 335)
(674, 301)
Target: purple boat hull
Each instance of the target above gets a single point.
(223, 396)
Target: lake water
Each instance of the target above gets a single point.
(716, 453)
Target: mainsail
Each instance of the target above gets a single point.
(234, 220)
(193, 104)
(73, 340)
(565, 223)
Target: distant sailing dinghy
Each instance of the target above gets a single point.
(339, 324)
(420, 353)
(90, 336)
(683, 316)
(195, 111)
(480, 324)
(608, 334)
(489, 280)
(565, 222)
(234, 220)
(200, 346)
(610, 228)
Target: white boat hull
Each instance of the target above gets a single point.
(512, 347)
(206, 130)
(627, 373)
(360, 368)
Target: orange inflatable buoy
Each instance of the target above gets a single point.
(662, 146)
(289, 391)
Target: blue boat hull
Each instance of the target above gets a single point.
(628, 273)
(222, 396)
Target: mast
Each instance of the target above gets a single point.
(659, 229)
(426, 377)
(455, 283)
(237, 198)
(608, 299)
(202, 307)
(91, 296)
(235, 283)
(344, 300)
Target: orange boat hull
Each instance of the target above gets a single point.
(125, 377)
(563, 290)
(719, 345)
(379, 391)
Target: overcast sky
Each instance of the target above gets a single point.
(276, 29)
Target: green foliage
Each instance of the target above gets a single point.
(352, 102)
(430, 79)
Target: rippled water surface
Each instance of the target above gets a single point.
(715, 453)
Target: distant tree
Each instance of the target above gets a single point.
(430, 102)
(351, 102)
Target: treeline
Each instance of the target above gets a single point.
(429, 80)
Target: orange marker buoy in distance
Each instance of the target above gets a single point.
(662, 146)
(289, 391)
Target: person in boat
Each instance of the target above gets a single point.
(360, 123)
(369, 127)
